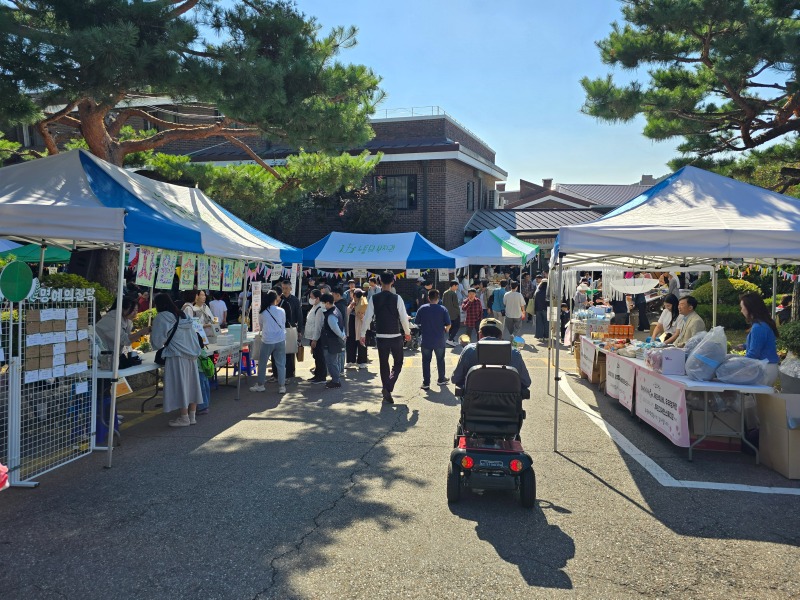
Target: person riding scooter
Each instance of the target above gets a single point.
(489, 329)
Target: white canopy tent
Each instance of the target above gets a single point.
(692, 220)
(77, 201)
(496, 247)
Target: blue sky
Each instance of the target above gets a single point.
(508, 70)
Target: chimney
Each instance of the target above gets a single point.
(547, 184)
(648, 180)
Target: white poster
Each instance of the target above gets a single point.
(588, 351)
(255, 304)
(445, 275)
(166, 270)
(294, 277)
(275, 274)
(188, 268)
(620, 379)
(661, 403)
(214, 273)
(412, 274)
(202, 273)
(360, 273)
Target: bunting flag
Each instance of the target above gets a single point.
(146, 266)
(166, 270)
(188, 267)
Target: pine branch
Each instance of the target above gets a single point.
(184, 8)
(258, 160)
(49, 142)
(127, 113)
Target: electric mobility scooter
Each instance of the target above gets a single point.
(487, 450)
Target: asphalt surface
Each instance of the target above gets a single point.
(330, 494)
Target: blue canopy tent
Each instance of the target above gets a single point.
(379, 251)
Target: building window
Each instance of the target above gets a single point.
(470, 195)
(400, 189)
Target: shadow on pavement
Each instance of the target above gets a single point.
(521, 537)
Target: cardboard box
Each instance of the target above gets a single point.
(72, 347)
(46, 327)
(83, 345)
(33, 316)
(46, 350)
(32, 327)
(46, 362)
(83, 356)
(83, 322)
(779, 433)
(599, 369)
(719, 423)
(673, 361)
(59, 325)
(31, 364)
(83, 313)
(71, 358)
(32, 352)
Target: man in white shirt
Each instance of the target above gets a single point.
(391, 324)
(514, 303)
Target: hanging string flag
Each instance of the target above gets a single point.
(188, 268)
(166, 270)
(146, 266)
(214, 273)
(202, 272)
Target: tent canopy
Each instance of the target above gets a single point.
(8, 245)
(381, 251)
(76, 197)
(496, 247)
(692, 217)
(32, 253)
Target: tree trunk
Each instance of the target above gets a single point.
(796, 295)
(97, 265)
(93, 129)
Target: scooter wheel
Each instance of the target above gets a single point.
(453, 484)
(527, 488)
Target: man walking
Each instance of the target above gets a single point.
(498, 307)
(473, 310)
(434, 319)
(453, 306)
(527, 288)
(514, 304)
(391, 324)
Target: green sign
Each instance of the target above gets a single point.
(15, 281)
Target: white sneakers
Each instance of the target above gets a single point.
(282, 389)
(362, 366)
(257, 388)
(451, 343)
(350, 366)
(180, 421)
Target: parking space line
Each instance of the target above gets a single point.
(658, 473)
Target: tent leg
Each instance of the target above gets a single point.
(714, 291)
(42, 250)
(112, 413)
(557, 377)
(242, 337)
(774, 288)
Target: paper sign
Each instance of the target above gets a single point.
(198, 327)
(412, 274)
(214, 273)
(46, 314)
(256, 305)
(228, 267)
(2, 355)
(59, 314)
(661, 403)
(588, 351)
(71, 369)
(58, 337)
(360, 273)
(72, 325)
(146, 267)
(166, 270)
(59, 360)
(188, 268)
(59, 348)
(82, 335)
(32, 339)
(82, 387)
(620, 379)
(202, 273)
(275, 274)
(238, 275)
(72, 336)
(31, 376)
(45, 374)
(72, 313)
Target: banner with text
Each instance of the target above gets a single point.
(661, 403)
(588, 351)
(620, 377)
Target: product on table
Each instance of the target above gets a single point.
(702, 363)
(741, 370)
(691, 344)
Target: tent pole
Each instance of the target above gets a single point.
(112, 413)
(242, 336)
(714, 295)
(551, 293)
(43, 248)
(557, 378)
(774, 287)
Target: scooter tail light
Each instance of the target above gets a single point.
(467, 462)
(516, 465)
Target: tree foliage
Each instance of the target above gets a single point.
(277, 206)
(723, 74)
(79, 63)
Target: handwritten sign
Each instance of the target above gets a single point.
(214, 273)
(227, 276)
(256, 305)
(588, 351)
(238, 274)
(661, 403)
(202, 272)
(146, 267)
(188, 267)
(166, 270)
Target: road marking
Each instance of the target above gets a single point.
(659, 474)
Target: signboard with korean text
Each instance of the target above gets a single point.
(620, 379)
(588, 351)
(661, 403)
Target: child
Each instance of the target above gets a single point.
(564, 318)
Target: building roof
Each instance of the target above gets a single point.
(603, 194)
(529, 220)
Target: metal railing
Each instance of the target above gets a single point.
(424, 111)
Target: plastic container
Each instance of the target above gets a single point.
(235, 331)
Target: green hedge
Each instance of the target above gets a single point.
(730, 317)
(103, 298)
(728, 292)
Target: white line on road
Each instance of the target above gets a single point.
(659, 474)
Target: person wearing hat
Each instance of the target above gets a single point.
(348, 293)
(490, 329)
(581, 299)
(422, 295)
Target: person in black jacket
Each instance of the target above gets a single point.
(294, 318)
(540, 304)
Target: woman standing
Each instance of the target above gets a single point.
(668, 321)
(356, 353)
(105, 326)
(540, 304)
(194, 307)
(312, 332)
(761, 339)
(174, 332)
(273, 341)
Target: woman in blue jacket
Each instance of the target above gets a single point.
(761, 339)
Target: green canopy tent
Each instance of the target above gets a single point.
(32, 254)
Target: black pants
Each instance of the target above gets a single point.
(320, 370)
(356, 353)
(387, 346)
(644, 322)
(289, 365)
(455, 324)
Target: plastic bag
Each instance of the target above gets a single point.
(691, 344)
(741, 370)
(653, 359)
(702, 363)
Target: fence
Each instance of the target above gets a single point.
(49, 385)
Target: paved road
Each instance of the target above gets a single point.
(329, 494)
